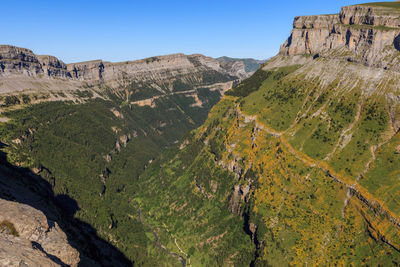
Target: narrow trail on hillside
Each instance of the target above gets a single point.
(158, 244)
(354, 189)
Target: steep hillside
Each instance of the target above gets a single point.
(296, 165)
(303, 157)
(88, 130)
(37, 230)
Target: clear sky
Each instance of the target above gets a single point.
(118, 30)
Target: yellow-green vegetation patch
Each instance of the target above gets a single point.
(382, 180)
(8, 227)
(277, 100)
(383, 4)
(373, 122)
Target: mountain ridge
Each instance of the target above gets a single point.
(311, 145)
(16, 60)
(296, 165)
(361, 33)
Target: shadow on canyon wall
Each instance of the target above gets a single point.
(23, 186)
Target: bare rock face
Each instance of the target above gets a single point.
(364, 34)
(317, 22)
(22, 70)
(37, 242)
(18, 60)
(237, 68)
(155, 68)
(52, 66)
(91, 70)
(16, 252)
(370, 15)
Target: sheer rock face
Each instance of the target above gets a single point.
(52, 66)
(22, 70)
(39, 241)
(362, 34)
(91, 70)
(376, 16)
(156, 67)
(16, 61)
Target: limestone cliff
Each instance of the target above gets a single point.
(366, 34)
(46, 78)
(53, 67)
(18, 60)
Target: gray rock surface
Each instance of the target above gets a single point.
(22, 70)
(16, 61)
(18, 252)
(370, 15)
(40, 241)
(362, 34)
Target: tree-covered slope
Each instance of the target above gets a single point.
(297, 165)
(94, 151)
(303, 155)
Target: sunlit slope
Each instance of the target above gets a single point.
(312, 148)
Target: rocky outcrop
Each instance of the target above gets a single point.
(37, 241)
(22, 70)
(370, 15)
(315, 22)
(363, 34)
(17, 252)
(150, 69)
(52, 66)
(90, 70)
(16, 61)
(237, 68)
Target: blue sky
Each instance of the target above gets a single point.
(118, 30)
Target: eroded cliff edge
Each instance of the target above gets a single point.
(368, 34)
(21, 69)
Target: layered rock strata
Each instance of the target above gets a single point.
(16, 61)
(369, 35)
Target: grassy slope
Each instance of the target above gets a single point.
(383, 4)
(301, 213)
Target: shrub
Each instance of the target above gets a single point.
(8, 228)
(11, 100)
(26, 99)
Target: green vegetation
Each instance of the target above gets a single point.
(249, 85)
(383, 4)
(70, 146)
(140, 91)
(11, 100)
(8, 228)
(26, 99)
(367, 27)
(280, 99)
(84, 94)
(305, 134)
(290, 167)
(180, 200)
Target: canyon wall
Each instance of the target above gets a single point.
(364, 34)
(17, 61)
